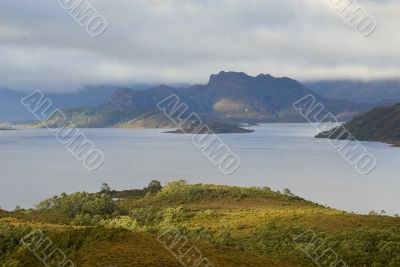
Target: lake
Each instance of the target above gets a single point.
(34, 166)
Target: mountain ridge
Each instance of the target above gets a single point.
(232, 98)
(237, 96)
(380, 124)
(375, 92)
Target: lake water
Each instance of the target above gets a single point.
(34, 166)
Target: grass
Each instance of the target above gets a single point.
(231, 226)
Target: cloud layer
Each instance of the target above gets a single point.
(170, 41)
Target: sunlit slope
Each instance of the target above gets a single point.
(231, 226)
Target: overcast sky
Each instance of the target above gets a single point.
(184, 41)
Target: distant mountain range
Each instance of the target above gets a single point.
(236, 96)
(376, 92)
(11, 109)
(380, 124)
(231, 98)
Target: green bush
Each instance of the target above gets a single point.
(10, 237)
(123, 222)
(147, 216)
(174, 215)
(81, 203)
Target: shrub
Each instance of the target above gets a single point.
(174, 215)
(10, 237)
(80, 204)
(146, 216)
(124, 222)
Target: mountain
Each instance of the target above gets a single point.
(236, 96)
(11, 109)
(381, 92)
(228, 100)
(106, 117)
(380, 124)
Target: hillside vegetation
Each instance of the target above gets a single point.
(380, 124)
(231, 226)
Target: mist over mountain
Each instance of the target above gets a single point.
(11, 109)
(377, 92)
(236, 96)
(229, 98)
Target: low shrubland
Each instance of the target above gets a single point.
(247, 220)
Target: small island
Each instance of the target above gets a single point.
(215, 129)
(4, 127)
(210, 124)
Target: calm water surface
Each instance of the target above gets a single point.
(34, 166)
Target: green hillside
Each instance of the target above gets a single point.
(230, 226)
(380, 124)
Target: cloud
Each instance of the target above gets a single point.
(43, 47)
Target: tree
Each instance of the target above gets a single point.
(286, 191)
(154, 187)
(80, 203)
(372, 212)
(105, 188)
